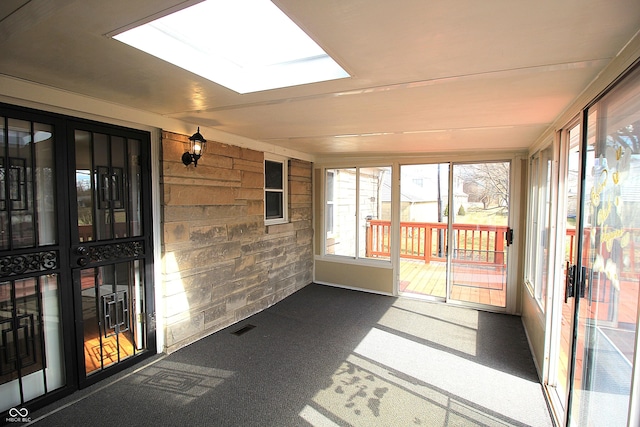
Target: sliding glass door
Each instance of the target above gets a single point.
(607, 273)
(480, 233)
(594, 310)
(454, 232)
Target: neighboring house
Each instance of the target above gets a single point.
(340, 210)
(419, 195)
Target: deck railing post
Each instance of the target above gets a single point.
(499, 246)
(368, 239)
(632, 252)
(586, 245)
(427, 243)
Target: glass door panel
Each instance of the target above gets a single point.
(31, 339)
(374, 212)
(134, 187)
(84, 186)
(609, 278)
(107, 186)
(564, 304)
(479, 217)
(26, 185)
(112, 331)
(424, 191)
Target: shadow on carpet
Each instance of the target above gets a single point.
(330, 357)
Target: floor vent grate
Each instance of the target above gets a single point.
(243, 330)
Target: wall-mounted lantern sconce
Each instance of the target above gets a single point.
(196, 151)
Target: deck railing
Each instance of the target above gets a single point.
(483, 244)
(480, 244)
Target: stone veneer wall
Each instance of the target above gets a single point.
(221, 263)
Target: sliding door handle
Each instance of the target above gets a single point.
(509, 236)
(570, 281)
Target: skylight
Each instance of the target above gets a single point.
(244, 45)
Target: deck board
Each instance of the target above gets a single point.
(481, 285)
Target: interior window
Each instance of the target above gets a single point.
(275, 191)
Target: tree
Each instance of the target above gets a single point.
(629, 137)
(487, 183)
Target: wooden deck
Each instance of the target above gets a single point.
(480, 284)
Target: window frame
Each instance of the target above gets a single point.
(329, 201)
(284, 162)
(543, 184)
(334, 204)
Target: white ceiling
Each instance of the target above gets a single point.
(427, 75)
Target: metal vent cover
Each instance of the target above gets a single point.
(243, 330)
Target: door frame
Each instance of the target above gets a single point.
(516, 181)
(555, 268)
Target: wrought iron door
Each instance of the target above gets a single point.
(76, 294)
(32, 342)
(110, 248)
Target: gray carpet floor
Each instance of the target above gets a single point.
(329, 357)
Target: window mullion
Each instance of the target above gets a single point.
(357, 248)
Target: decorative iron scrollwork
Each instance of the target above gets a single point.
(115, 251)
(13, 265)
